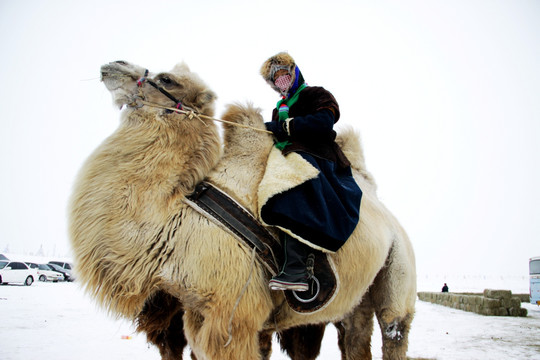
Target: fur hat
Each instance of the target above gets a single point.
(275, 63)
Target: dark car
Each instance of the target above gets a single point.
(65, 272)
(67, 266)
(62, 264)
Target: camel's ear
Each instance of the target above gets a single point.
(180, 68)
(205, 97)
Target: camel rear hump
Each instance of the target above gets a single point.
(349, 141)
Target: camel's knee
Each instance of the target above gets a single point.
(394, 326)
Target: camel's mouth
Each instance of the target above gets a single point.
(119, 73)
(114, 80)
(106, 74)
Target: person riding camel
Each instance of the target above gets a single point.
(319, 214)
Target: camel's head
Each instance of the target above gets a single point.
(120, 78)
(129, 83)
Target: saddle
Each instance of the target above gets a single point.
(224, 211)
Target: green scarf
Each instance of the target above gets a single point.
(284, 113)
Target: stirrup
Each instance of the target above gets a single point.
(275, 284)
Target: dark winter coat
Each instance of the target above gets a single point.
(323, 211)
(315, 114)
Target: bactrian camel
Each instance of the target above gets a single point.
(146, 255)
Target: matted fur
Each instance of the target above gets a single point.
(133, 237)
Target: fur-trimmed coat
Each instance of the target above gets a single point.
(323, 211)
(314, 116)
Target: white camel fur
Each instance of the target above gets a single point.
(133, 236)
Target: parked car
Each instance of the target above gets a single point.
(67, 266)
(31, 265)
(64, 265)
(3, 257)
(16, 272)
(46, 273)
(65, 272)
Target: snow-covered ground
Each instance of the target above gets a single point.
(58, 321)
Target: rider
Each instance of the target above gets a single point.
(320, 213)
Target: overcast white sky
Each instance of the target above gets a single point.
(444, 93)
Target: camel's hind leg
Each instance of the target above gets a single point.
(393, 295)
(395, 334)
(354, 332)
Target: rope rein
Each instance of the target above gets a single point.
(192, 113)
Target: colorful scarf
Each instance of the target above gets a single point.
(283, 106)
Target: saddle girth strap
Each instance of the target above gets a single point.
(227, 213)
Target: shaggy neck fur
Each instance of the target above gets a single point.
(128, 194)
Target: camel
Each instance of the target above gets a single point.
(145, 255)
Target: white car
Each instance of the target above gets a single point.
(16, 272)
(46, 272)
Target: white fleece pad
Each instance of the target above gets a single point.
(283, 173)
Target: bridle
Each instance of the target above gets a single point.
(179, 107)
(144, 79)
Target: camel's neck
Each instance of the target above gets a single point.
(168, 156)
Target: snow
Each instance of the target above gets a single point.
(58, 321)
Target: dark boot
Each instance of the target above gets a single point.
(294, 274)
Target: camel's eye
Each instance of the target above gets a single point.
(165, 80)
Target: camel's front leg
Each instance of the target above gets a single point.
(302, 342)
(265, 344)
(161, 320)
(208, 335)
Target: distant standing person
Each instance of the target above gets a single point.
(445, 288)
